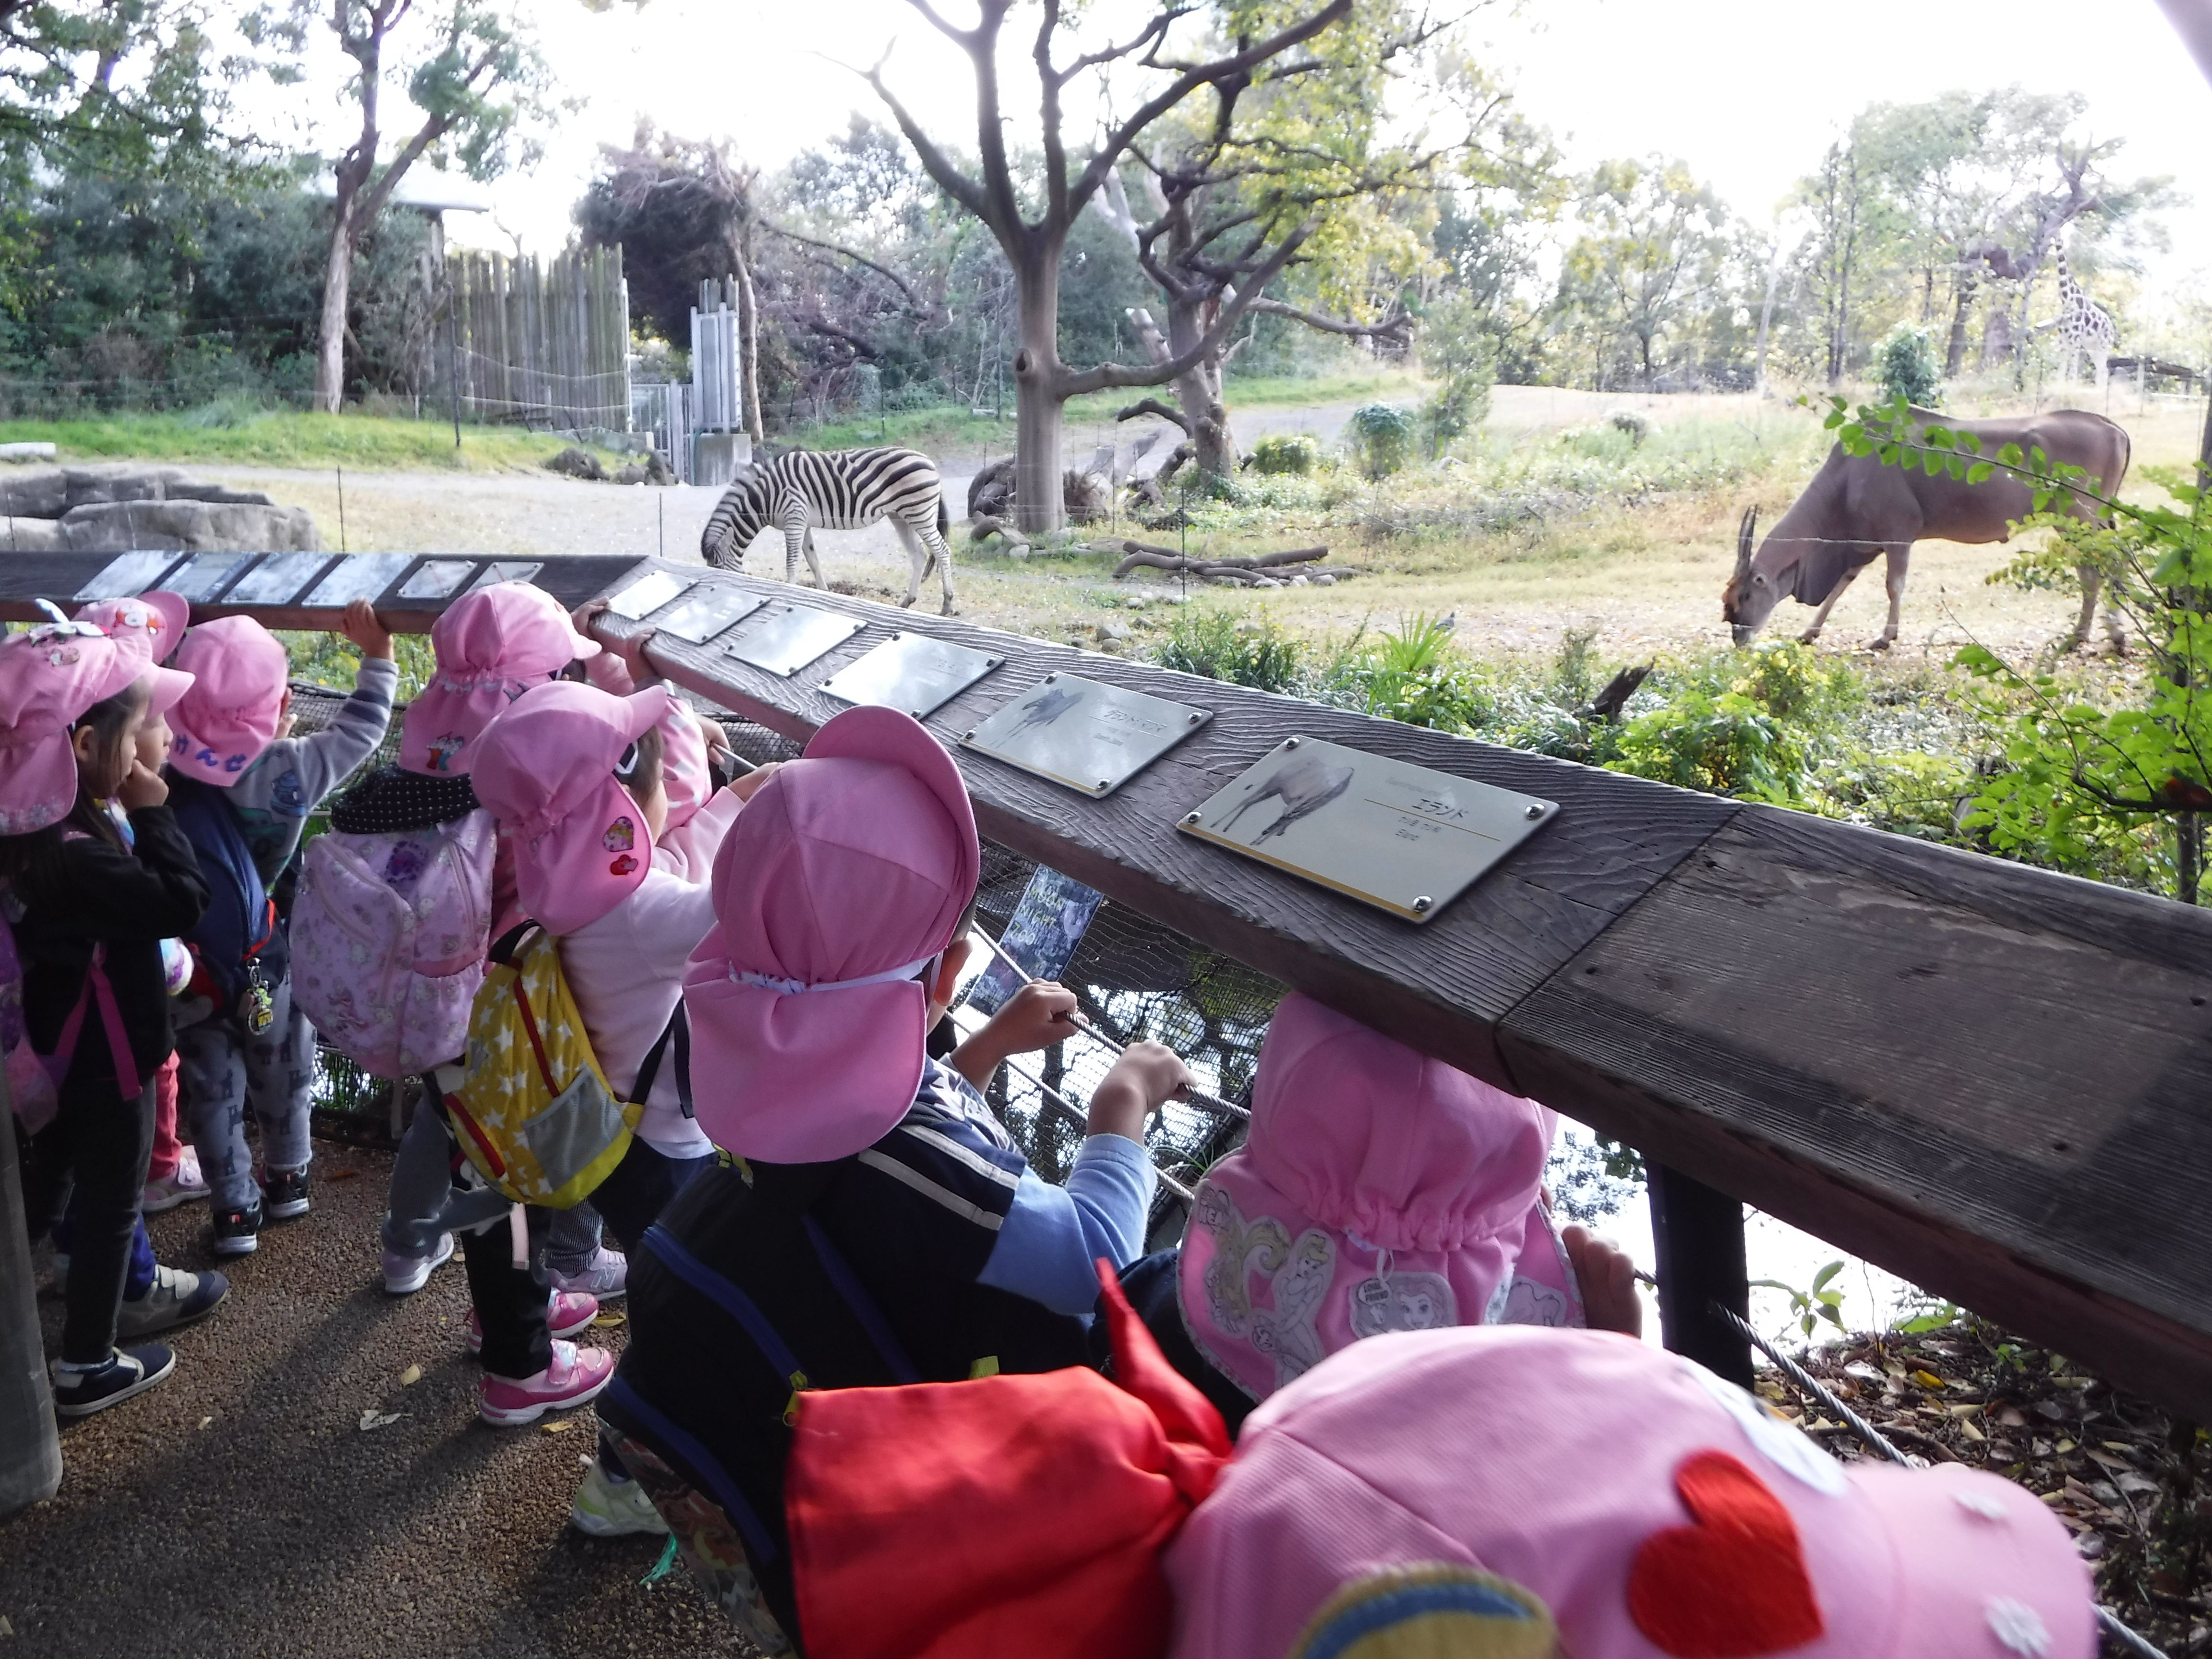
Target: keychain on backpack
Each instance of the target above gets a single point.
(257, 1004)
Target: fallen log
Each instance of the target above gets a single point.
(1149, 556)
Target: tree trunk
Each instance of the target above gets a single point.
(1955, 353)
(1039, 403)
(1198, 390)
(337, 289)
(749, 397)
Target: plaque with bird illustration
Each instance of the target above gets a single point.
(1401, 837)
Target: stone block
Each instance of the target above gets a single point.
(41, 493)
(33, 536)
(190, 526)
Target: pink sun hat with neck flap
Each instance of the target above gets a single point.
(160, 619)
(839, 886)
(1379, 1190)
(49, 677)
(230, 714)
(1656, 1512)
(545, 769)
(491, 646)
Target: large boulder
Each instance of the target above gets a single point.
(189, 526)
(91, 485)
(33, 536)
(42, 493)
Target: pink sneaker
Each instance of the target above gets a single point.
(165, 1193)
(606, 1276)
(565, 1315)
(574, 1377)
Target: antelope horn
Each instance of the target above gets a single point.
(1743, 538)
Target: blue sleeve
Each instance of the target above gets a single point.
(1054, 1236)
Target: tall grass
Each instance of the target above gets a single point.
(237, 432)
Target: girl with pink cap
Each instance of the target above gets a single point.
(872, 1222)
(1487, 1493)
(243, 787)
(89, 915)
(575, 777)
(1378, 1190)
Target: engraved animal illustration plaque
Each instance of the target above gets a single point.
(128, 576)
(784, 638)
(910, 672)
(1087, 736)
(1398, 836)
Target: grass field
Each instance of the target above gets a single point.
(223, 433)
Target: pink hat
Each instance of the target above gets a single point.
(49, 677)
(842, 880)
(1378, 1191)
(491, 646)
(546, 769)
(1652, 1508)
(683, 771)
(161, 619)
(230, 714)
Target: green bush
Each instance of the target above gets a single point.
(1904, 367)
(1227, 645)
(1383, 435)
(1461, 356)
(1284, 453)
(1756, 725)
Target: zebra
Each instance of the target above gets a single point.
(838, 489)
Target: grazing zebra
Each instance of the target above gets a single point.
(838, 489)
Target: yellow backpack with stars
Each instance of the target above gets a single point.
(533, 1111)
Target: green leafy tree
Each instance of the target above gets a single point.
(1906, 367)
(2090, 787)
(1652, 251)
(1460, 352)
(1383, 435)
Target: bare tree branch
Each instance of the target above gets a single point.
(1153, 406)
(906, 288)
(1117, 375)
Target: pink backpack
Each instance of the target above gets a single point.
(388, 938)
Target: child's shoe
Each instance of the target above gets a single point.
(181, 1186)
(80, 1392)
(573, 1378)
(606, 1276)
(238, 1232)
(175, 1297)
(284, 1193)
(565, 1315)
(403, 1275)
(613, 1508)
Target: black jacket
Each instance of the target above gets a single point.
(95, 892)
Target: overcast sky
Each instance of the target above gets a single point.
(1748, 92)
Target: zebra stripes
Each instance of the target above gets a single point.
(838, 490)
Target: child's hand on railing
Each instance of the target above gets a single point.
(1147, 1077)
(1036, 1017)
(370, 637)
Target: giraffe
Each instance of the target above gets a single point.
(2082, 326)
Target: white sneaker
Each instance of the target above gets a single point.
(182, 1185)
(403, 1275)
(606, 1276)
(613, 1508)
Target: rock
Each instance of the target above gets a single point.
(1300, 581)
(1112, 631)
(1135, 602)
(192, 490)
(1267, 581)
(576, 462)
(89, 486)
(41, 494)
(1325, 580)
(991, 491)
(190, 526)
(30, 451)
(33, 536)
(1018, 549)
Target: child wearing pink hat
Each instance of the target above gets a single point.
(1508, 1491)
(1378, 1190)
(871, 1222)
(490, 646)
(574, 776)
(89, 913)
(244, 788)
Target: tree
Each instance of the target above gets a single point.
(1651, 251)
(126, 81)
(1030, 218)
(475, 78)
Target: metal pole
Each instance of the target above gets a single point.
(1053, 1096)
(1697, 1235)
(454, 369)
(342, 529)
(30, 1451)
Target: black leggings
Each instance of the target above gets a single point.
(104, 1141)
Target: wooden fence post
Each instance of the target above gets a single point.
(30, 1451)
(1696, 1235)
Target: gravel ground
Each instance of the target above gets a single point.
(240, 1509)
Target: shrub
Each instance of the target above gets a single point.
(1635, 426)
(1413, 675)
(1904, 367)
(1224, 645)
(1460, 354)
(1383, 435)
(1285, 452)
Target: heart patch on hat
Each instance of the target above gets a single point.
(1734, 1584)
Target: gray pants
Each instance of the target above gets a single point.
(220, 1066)
(422, 1183)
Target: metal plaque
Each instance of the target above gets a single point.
(277, 579)
(784, 638)
(203, 577)
(130, 576)
(437, 579)
(647, 593)
(911, 672)
(511, 570)
(362, 576)
(1396, 836)
(1090, 737)
(710, 612)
